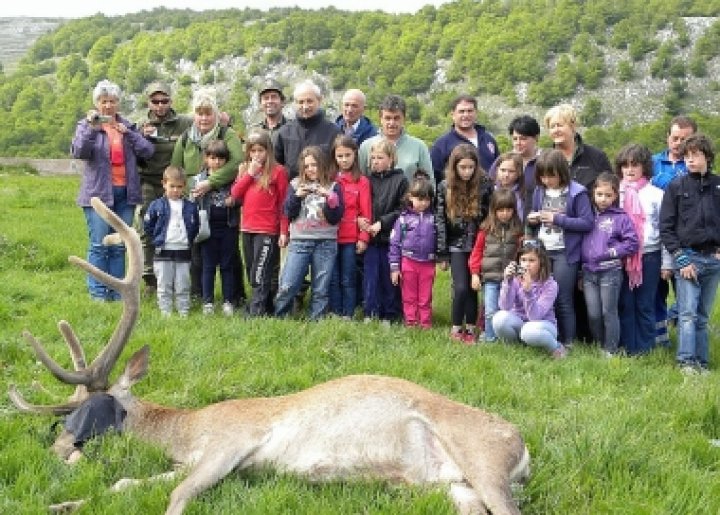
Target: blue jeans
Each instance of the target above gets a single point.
(319, 256)
(343, 289)
(111, 258)
(602, 290)
(565, 275)
(695, 302)
(491, 294)
(382, 298)
(636, 307)
(538, 333)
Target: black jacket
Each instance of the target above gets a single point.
(388, 199)
(458, 234)
(290, 139)
(587, 163)
(690, 213)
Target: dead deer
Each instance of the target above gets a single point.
(362, 426)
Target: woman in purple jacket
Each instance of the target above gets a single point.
(110, 147)
(527, 297)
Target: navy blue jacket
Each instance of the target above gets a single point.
(157, 219)
(440, 152)
(363, 131)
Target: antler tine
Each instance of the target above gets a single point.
(57, 409)
(76, 351)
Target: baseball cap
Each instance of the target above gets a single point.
(158, 87)
(271, 85)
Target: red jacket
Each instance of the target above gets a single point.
(358, 203)
(262, 209)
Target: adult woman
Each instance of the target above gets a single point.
(110, 145)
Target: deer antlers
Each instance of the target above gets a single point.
(94, 377)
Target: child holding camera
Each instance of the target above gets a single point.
(526, 301)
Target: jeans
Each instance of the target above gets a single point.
(565, 275)
(695, 301)
(416, 288)
(150, 192)
(319, 256)
(343, 290)
(110, 258)
(382, 298)
(636, 307)
(491, 294)
(538, 333)
(602, 290)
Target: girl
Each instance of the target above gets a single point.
(462, 203)
(527, 295)
(495, 247)
(612, 238)
(351, 240)
(388, 186)
(314, 207)
(218, 250)
(261, 188)
(560, 217)
(509, 174)
(412, 252)
(641, 201)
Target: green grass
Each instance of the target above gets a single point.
(626, 435)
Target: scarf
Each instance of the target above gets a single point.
(202, 140)
(632, 206)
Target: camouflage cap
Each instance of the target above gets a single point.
(157, 87)
(271, 85)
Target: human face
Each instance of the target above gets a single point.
(306, 104)
(379, 161)
(562, 132)
(466, 168)
(205, 119)
(310, 168)
(696, 162)
(271, 103)
(604, 195)
(676, 137)
(345, 158)
(419, 204)
(258, 154)
(526, 146)
(159, 104)
(464, 115)
(631, 171)
(392, 123)
(550, 181)
(174, 188)
(507, 174)
(353, 107)
(531, 263)
(107, 106)
(214, 163)
(504, 214)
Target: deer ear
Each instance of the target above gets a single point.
(137, 365)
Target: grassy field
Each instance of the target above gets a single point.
(626, 435)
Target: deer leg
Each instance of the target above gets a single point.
(127, 482)
(466, 500)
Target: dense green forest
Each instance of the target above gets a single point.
(526, 53)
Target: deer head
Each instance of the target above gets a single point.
(93, 378)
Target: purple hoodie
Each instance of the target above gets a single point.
(612, 238)
(534, 305)
(413, 236)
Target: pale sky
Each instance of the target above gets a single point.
(81, 8)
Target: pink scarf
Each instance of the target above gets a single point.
(632, 206)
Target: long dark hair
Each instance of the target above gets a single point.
(343, 140)
(536, 247)
(501, 199)
(463, 197)
(323, 173)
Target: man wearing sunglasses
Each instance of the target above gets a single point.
(163, 127)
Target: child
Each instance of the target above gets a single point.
(218, 251)
(509, 174)
(412, 252)
(560, 217)
(641, 201)
(612, 238)
(462, 204)
(690, 231)
(172, 222)
(314, 206)
(495, 247)
(388, 187)
(261, 189)
(526, 301)
(351, 240)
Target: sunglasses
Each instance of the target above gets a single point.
(156, 101)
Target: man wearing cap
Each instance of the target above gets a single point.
(163, 127)
(353, 121)
(272, 101)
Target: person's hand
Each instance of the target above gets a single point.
(546, 217)
(363, 223)
(475, 282)
(666, 274)
(510, 270)
(283, 240)
(230, 202)
(526, 280)
(322, 191)
(443, 265)
(533, 218)
(121, 128)
(395, 277)
(689, 272)
(302, 192)
(148, 130)
(360, 247)
(375, 228)
(201, 188)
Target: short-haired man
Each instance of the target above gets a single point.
(308, 128)
(163, 127)
(412, 153)
(353, 121)
(272, 101)
(465, 129)
(670, 163)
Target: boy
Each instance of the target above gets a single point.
(172, 223)
(690, 231)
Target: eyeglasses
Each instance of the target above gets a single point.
(156, 101)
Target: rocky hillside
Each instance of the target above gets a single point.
(18, 34)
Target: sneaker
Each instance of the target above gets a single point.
(165, 314)
(703, 370)
(228, 309)
(688, 369)
(458, 336)
(468, 338)
(208, 309)
(560, 352)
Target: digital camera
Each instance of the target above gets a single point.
(101, 118)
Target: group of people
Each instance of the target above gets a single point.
(562, 244)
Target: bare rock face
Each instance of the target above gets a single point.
(18, 34)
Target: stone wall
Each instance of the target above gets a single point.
(46, 166)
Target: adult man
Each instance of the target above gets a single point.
(412, 153)
(353, 121)
(465, 129)
(308, 128)
(272, 101)
(669, 163)
(163, 127)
